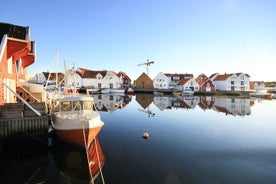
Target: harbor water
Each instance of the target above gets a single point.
(191, 140)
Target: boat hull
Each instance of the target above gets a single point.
(78, 137)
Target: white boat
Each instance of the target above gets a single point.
(105, 90)
(117, 90)
(262, 94)
(93, 90)
(76, 120)
(188, 92)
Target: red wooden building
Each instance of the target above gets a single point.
(17, 52)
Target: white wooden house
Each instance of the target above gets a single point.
(98, 79)
(232, 82)
(187, 84)
(161, 81)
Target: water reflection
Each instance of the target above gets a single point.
(24, 157)
(229, 106)
(77, 164)
(110, 103)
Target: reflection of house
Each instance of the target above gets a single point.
(190, 101)
(144, 100)
(205, 84)
(231, 82)
(17, 52)
(233, 106)
(162, 102)
(206, 102)
(144, 82)
(110, 103)
(187, 84)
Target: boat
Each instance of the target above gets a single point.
(262, 94)
(76, 119)
(93, 90)
(188, 92)
(105, 90)
(117, 90)
(130, 91)
(158, 93)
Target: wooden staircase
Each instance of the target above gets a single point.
(25, 93)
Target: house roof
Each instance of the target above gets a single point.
(222, 77)
(183, 81)
(85, 73)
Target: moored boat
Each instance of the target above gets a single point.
(76, 119)
(117, 90)
(105, 90)
(130, 91)
(93, 90)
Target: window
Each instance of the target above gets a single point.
(242, 82)
(66, 106)
(232, 82)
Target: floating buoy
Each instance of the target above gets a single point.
(146, 135)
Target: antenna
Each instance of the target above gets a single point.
(148, 63)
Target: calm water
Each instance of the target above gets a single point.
(192, 140)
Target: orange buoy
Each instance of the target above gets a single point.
(146, 135)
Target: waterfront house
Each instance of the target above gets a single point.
(175, 78)
(44, 77)
(161, 81)
(17, 52)
(231, 82)
(144, 82)
(187, 84)
(257, 85)
(205, 84)
(100, 79)
(126, 81)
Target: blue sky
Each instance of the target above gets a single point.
(181, 36)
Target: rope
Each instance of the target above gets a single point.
(99, 162)
(87, 156)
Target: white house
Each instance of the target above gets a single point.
(187, 84)
(161, 81)
(232, 82)
(98, 79)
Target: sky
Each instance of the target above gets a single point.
(180, 36)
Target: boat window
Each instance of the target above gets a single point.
(77, 105)
(87, 104)
(66, 106)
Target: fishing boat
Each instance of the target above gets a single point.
(76, 119)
